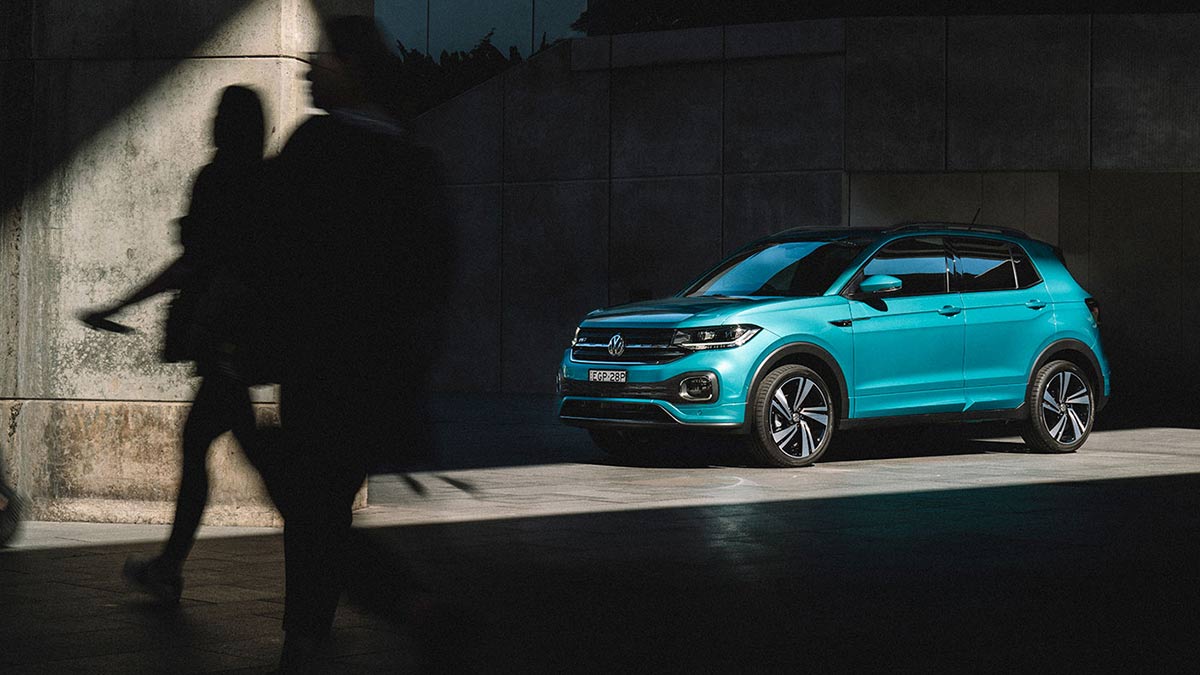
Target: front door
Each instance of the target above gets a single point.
(908, 343)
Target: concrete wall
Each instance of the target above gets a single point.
(107, 111)
(619, 167)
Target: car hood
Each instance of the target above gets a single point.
(708, 310)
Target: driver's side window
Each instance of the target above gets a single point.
(919, 262)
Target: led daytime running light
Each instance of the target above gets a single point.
(714, 337)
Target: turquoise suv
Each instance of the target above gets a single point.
(807, 332)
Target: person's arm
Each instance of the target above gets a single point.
(170, 278)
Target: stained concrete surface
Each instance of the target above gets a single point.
(896, 94)
(951, 548)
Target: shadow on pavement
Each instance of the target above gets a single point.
(1090, 575)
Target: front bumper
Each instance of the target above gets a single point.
(650, 396)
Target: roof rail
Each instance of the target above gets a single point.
(966, 227)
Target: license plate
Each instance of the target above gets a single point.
(606, 376)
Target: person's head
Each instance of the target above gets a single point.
(354, 64)
(238, 128)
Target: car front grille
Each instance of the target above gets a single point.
(615, 411)
(642, 345)
(659, 390)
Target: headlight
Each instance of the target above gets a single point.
(714, 337)
(575, 339)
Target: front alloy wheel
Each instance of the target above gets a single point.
(1061, 411)
(793, 417)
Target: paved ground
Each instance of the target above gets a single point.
(902, 552)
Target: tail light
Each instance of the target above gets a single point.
(1095, 309)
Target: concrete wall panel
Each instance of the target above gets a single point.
(784, 39)
(16, 29)
(757, 205)
(1146, 91)
(1074, 223)
(16, 144)
(665, 232)
(896, 94)
(555, 120)
(1017, 92)
(591, 53)
(879, 200)
(665, 47)
(470, 358)
(784, 114)
(1041, 206)
(555, 262)
(127, 29)
(155, 29)
(1135, 274)
(1189, 253)
(666, 121)
(102, 219)
(120, 462)
(1002, 200)
(466, 132)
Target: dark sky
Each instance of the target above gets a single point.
(456, 25)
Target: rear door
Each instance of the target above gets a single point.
(908, 344)
(1008, 317)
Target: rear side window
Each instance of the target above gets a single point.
(983, 265)
(919, 262)
(991, 265)
(1027, 274)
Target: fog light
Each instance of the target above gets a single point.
(698, 388)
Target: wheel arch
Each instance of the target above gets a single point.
(1078, 353)
(804, 354)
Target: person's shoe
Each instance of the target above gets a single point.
(155, 578)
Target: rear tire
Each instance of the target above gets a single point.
(1061, 408)
(794, 417)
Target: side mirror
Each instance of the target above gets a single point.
(880, 283)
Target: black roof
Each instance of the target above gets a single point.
(868, 234)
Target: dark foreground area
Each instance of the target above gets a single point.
(974, 557)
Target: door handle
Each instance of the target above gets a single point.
(1035, 304)
(949, 310)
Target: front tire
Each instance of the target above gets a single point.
(794, 417)
(1061, 408)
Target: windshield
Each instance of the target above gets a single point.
(789, 269)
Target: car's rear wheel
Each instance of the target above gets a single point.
(793, 417)
(1061, 408)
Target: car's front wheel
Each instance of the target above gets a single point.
(794, 417)
(1061, 408)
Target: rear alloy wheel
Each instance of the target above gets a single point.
(794, 417)
(1061, 408)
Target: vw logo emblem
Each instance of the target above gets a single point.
(616, 345)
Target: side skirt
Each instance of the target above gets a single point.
(935, 418)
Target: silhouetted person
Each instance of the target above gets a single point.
(217, 237)
(10, 508)
(360, 268)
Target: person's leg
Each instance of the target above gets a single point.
(207, 420)
(325, 467)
